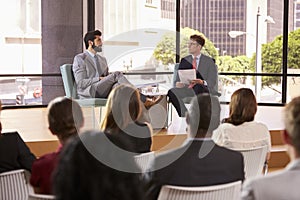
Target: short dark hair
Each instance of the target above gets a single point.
(204, 113)
(90, 36)
(198, 38)
(65, 117)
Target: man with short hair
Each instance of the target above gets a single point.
(199, 161)
(206, 75)
(282, 184)
(91, 72)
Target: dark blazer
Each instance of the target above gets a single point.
(14, 154)
(196, 163)
(206, 70)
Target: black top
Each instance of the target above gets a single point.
(138, 135)
(14, 154)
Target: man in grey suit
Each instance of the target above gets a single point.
(206, 75)
(91, 72)
(283, 184)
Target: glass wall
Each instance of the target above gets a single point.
(140, 40)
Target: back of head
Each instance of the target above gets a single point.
(90, 36)
(292, 122)
(65, 117)
(242, 107)
(123, 107)
(203, 115)
(87, 170)
(199, 39)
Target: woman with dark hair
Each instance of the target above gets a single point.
(65, 118)
(239, 130)
(91, 167)
(123, 111)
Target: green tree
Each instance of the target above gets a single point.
(239, 64)
(165, 50)
(272, 57)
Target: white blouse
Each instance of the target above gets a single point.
(244, 136)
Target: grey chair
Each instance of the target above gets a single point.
(71, 89)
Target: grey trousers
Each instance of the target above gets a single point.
(102, 88)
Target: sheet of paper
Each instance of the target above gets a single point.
(187, 75)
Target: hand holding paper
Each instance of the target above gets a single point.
(187, 75)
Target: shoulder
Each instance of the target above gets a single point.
(207, 59)
(11, 136)
(81, 56)
(260, 127)
(45, 159)
(186, 58)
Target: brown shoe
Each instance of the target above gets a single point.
(152, 101)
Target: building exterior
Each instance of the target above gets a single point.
(216, 18)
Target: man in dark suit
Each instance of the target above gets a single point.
(206, 75)
(199, 162)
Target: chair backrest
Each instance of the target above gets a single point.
(228, 191)
(254, 160)
(40, 197)
(69, 81)
(14, 185)
(143, 160)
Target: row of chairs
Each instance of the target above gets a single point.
(15, 184)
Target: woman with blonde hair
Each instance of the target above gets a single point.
(239, 130)
(123, 111)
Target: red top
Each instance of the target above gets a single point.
(41, 173)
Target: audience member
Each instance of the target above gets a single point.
(91, 167)
(206, 75)
(282, 184)
(65, 118)
(199, 162)
(91, 72)
(239, 130)
(123, 110)
(14, 153)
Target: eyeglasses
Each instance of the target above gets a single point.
(192, 43)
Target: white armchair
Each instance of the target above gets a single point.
(228, 191)
(14, 185)
(254, 160)
(143, 160)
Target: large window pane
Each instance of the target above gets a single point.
(238, 31)
(136, 33)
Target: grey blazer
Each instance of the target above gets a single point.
(206, 70)
(86, 73)
(278, 185)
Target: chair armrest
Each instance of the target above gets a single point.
(97, 102)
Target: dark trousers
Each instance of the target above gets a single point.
(179, 96)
